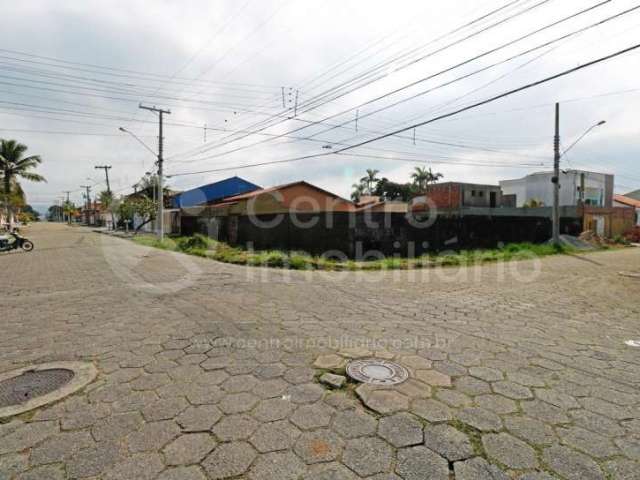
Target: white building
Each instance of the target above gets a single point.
(598, 189)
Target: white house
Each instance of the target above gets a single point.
(598, 189)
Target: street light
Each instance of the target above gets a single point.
(157, 156)
(599, 124)
(124, 130)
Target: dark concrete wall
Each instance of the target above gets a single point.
(354, 234)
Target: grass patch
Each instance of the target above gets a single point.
(475, 436)
(203, 246)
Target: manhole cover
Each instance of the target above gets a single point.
(32, 384)
(377, 372)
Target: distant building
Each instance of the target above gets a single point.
(213, 192)
(635, 195)
(451, 195)
(291, 197)
(537, 188)
(372, 203)
(629, 202)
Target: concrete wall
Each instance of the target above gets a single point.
(389, 233)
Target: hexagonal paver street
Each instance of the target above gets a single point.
(212, 371)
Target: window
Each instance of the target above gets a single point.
(473, 193)
(481, 193)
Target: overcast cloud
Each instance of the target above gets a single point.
(223, 63)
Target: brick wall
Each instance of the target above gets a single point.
(445, 195)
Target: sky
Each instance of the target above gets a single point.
(276, 80)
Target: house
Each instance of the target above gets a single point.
(629, 202)
(576, 187)
(372, 203)
(290, 216)
(95, 214)
(456, 195)
(213, 192)
(635, 195)
(291, 197)
(608, 222)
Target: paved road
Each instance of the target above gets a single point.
(210, 371)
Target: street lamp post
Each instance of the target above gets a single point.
(556, 171)
(160, 210)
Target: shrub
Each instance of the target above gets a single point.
(197, 242)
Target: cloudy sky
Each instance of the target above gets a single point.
(276, 80)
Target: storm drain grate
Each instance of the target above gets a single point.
(32, 384)
(377, 372)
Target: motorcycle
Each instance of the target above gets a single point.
(7, 244)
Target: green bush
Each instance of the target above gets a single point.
(197, 242)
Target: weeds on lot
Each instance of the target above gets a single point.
(203, 246)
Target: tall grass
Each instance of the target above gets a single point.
(203, 246)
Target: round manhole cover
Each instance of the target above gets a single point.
(377, 372)
(32, 384)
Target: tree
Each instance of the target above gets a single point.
(146, 209)
(370, 179)
(358, 191)
(394, 191)
(143, 207)
(14, 165)
(54, 213)
(69, 208)
(126, 211)
(422, 177)
(106, 199)
(108, 203)
(28, 214)
(533, 203)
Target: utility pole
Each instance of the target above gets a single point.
(88, 205)
(556, 180)
(68, 201)
(106, 169)
(88, 187)
(160, 113)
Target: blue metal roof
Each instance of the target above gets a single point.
(213, 192)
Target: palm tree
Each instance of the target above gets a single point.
(14, 165)
(420, 178)
(370, 179)
(434, 177)
(358, 191)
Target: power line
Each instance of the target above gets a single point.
(400, 68)
(106, 69)
(380, 97)
(435, 119)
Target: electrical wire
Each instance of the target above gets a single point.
(439, 117)
(468, 75)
